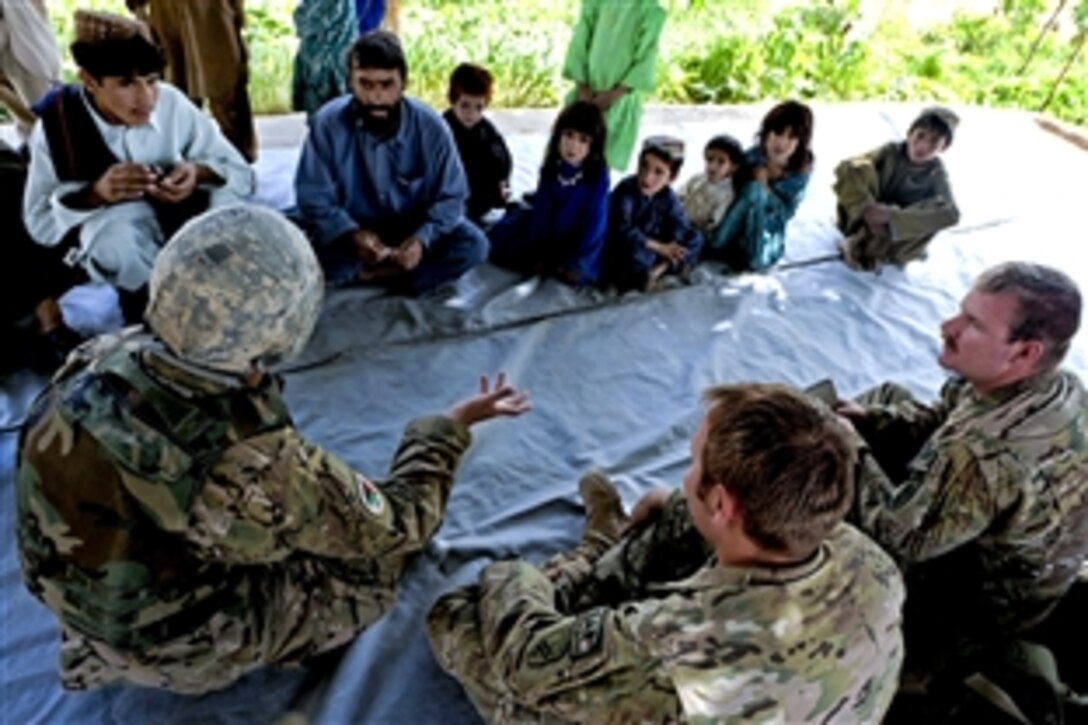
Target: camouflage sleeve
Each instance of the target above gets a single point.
(896, 426)
(893, 411)
(277, 494)
(944, 502)
(589, 667)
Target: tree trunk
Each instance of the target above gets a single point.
(1042, 34)
(1079, 46)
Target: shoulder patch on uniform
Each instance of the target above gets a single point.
(587, 634)
(549, 649)
(371, 496)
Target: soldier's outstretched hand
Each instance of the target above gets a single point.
(501, 400)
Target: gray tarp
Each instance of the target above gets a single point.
(614, 384)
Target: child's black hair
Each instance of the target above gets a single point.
(586, 118)
(729, 146)
(123, 57)
(469, 79)
(667, 148)
(796, 117)
(932, 121)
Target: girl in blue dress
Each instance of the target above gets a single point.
(752, 235)
(561, 231)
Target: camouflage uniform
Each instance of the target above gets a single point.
(920, 195)
(989, 492)
(691, 640)
(184, 533)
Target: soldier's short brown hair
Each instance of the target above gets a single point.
(787, 463)
(1048, 305)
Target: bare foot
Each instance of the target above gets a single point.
(653, 281)
(49, 315)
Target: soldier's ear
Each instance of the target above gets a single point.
(1029, 354)
(723, 506)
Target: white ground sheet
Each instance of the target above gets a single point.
(614, 384)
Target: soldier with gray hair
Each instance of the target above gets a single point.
(982, 497)
(743, 596)
(169, 513)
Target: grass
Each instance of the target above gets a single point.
(720, 51)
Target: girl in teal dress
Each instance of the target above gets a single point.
(752, 235)
(326, 30)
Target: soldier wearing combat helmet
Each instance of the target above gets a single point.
(169, 513)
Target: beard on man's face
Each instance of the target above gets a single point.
(380, 118)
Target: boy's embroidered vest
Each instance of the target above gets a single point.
(111, 462)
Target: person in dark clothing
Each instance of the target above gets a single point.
(483, 151)
(649, 234)
(561, 232)
(31, 281)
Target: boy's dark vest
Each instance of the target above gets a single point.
(103, 509)
(78, 151)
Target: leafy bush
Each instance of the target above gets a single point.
(718, 51)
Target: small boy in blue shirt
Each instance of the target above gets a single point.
(649, 234)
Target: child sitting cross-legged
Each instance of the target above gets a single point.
(649, 234)
(894, 199)
(561, 231)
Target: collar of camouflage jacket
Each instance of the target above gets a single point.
(184, 377)
(717, 576)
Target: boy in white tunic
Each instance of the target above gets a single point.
(119, 161)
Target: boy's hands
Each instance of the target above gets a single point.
(606, 99)
(178, 185)
(123, 182)
(502, 400)
(672, 252)
(408, 255)
(877, 217)
(603, 100)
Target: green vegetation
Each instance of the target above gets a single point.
(725, 51)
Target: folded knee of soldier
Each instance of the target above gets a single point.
(452, 619)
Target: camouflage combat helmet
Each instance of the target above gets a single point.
(237, 285)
